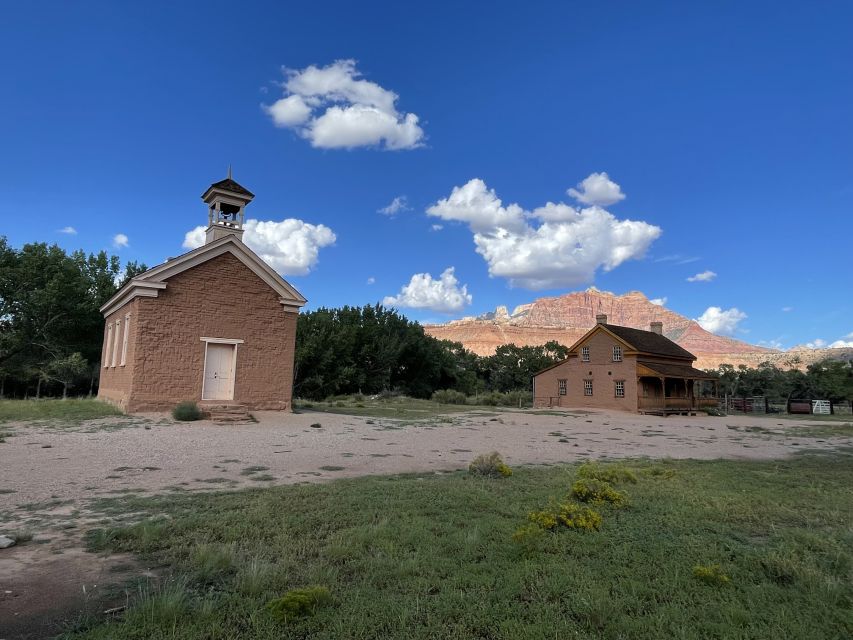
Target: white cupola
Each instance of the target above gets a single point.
(226, 201)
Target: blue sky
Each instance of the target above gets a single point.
(727, 128)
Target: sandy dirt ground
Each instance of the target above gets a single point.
(52, 475)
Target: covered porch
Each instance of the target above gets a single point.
(665, 388)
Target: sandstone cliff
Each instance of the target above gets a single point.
(566, 318)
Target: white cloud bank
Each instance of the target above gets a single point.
(333, 107)
(291, 246)
(120, 241)
(719, 321)
(658, 301)
(71, 231)
(565, 249)
(398, 204)
(423, 292)
(705, 276)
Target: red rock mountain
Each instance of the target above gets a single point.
(566, 318)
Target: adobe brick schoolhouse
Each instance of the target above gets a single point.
(216, 325)
(614, 367)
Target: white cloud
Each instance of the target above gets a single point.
(290, 246)
(565, 249)
(371, 280)
(120, 240)
(719, 321)
(841, 344)
(397, 205)
(787, 309)
(333, 107)
(771, 344)
(678, 259)
(71, 231)
(817, 344)
(705, 276)
(658, 301)
(443, 295)
(597, 188)
(436, 227)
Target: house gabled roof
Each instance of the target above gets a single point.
(677, 370)
(149, 283)
(644, 342)
(649, 342)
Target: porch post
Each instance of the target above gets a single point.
(663, 392)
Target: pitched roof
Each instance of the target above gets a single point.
(150, 282)
(649, 342)
(230, 185)
(677, 370)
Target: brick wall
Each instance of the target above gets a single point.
(600, 369)
(221, 298)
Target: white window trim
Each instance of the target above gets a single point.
(587, 384)
(617, 353)
(115, 343)
(616, 384)
(124, 340)
(585, 354)
(233, 341)
(562, 387)
(108, 348)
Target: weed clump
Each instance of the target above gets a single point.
(613, 473)
(299, 602)
(711, 574)
(449, 396)
(490, 465)
(186, 412)
(567, 514)
(598, 492)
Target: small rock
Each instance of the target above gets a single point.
(6, 541)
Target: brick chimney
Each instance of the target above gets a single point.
(601, 318)
(656, 327)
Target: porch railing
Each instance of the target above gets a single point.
(675, 403)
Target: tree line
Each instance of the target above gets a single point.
(373, 349)
(825, 380)
(51, 331)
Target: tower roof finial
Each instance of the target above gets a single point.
(229, 171)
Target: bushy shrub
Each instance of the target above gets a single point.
(659, 472)
(598, 492)
(528, 535)
(299, 602)
(505, 399)
(449, 396)
(490, 465)
(186, 411)
(607, 473)
(574, 516)
(711, 574)
(567, 514)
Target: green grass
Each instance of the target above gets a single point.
(66, 410)
(416, 557)
(395, 407)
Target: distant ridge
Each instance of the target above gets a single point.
(567, 317)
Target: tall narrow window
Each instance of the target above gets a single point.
(585, 354)
(124, 340)
(115, 343)
(620, 388)
(587, 387)
(105, 356)
(561, 385)
(617, 353)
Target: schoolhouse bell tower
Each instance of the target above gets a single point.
(226, 201)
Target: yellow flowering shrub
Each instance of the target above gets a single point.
(490, 465)
(613, 473)
(711, 574)
(598, 492)
(574, 516)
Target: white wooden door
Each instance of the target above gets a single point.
(219, 372)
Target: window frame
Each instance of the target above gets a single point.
(617, 353)
(115, 343)
(617, 385)
(108, 347)
(124, 340)
(562, 387)
(585, 354)
(587, 388)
